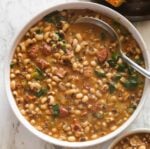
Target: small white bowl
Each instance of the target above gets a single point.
(135, 131)
(76, 5)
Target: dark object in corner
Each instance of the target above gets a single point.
(134, 10)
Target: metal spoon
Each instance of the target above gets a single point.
(114, 36)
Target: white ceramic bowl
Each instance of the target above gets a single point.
(76, 5)
(141, 130)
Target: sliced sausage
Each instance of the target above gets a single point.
(46, 49)
(33, 52)
(43, 64)
(60, 72)
(102, 55)
(63, 112)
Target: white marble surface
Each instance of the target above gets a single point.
(13, 15)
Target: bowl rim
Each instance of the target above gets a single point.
(128, 133)
(74, 5)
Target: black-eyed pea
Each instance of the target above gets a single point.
(51, 100)
(87, 129)
(43, 106)
(65, 27)
(85, 63)
(85, 124)
(71, 91)
(46, 35)
(33, 29)
(26, 61)
(23, 112)
(12, 75)
(94, 136)
(75, 42)
(23, 47)
(109, 75)
(78, 36)
(77, 112)
(93, 63)
(37, 109)
(54, 130)
(13, 84)
(48, 40)
(142, 147)
(28, 76)
(89, 106)
(44, 99)
(15, 93)
(84, 43)
(32, 121)
(39, 128)
(54, 83)
(78, 48)
(85, 98)
(31, 106)
(68, 84)
(75, 65)
(123, 79)
(113, 98)
(34, 40)
(92, 90)
(71, 139)
(113, 128)
(39, 37)
(104, 124)
(17, 71)
(79, 95)
(68, 46)
(28, 42)
(120, 61)
(85, 91)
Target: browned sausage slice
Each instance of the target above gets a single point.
(102, 55)
(46, 49)
(33, 52)
(63, 112)
(43, 64)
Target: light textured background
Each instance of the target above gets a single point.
(13, 15)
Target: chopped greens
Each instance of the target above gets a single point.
(60, 35)
(41, 92)
(112, 88)
(38, 74)
(122, 67)
(112, 63)
(12, 65)
(131, 83)
(117, 77)
(130, 70)
(54, 17)
(115, 56)
(100, 74)
(98, 115)
(64, 47)
(55, 110)
(132, 108)
(39, 31)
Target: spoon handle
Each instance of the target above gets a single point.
(134, 65)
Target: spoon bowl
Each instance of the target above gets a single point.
(105, 26)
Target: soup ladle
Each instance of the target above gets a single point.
(114, 35)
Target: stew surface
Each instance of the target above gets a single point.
(69, 80)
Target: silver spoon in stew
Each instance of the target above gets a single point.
(114, 35)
